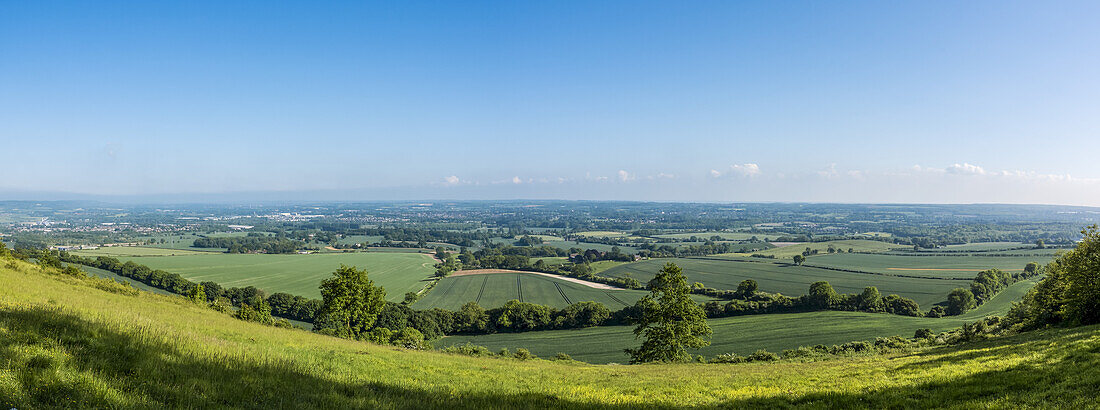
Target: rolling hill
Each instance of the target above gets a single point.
(64, 344)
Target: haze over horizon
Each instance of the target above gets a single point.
(853, 102)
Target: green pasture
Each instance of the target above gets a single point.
(398, 272)
(743, 334)
(139, 251)
(947, 266)
(857, 245)
(788, 279)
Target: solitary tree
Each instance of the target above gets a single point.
(799, 259)
(350, 303)
(670, 321)
(1039, 244)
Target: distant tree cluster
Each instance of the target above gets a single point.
(251, 243)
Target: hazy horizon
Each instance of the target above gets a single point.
(853, 102)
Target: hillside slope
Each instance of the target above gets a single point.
(64, 344)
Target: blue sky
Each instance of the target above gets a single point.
(712, 101)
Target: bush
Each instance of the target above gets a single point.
(523, 354)
(923, 334)
(762, 356)
(468, 349)
(562, 357)
(728, 358)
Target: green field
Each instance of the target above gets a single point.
(138, 251)
(398, 272)
(494, 289)
(744, 334)
(729, 236)
(857, 245)
(948, 266)
(67, 345)
(603, 234)
(788, 279)
(566, 245)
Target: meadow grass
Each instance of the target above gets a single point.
(857, 245)
(788, 279)
(397, 272)
(947, 266)
(65, 345)
(138, 251)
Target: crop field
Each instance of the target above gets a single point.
(398, 272)
(729, 236)
(948, 266)
(603, 234)
(744, 334)
(363, 239)
(857, 245)
(789, 279)
(494, 289)
(138, 251)
(585, 245)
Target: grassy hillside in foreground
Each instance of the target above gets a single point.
(67, 345)
(744, 334)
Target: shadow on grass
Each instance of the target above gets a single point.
(62, 360)
(1062, 372)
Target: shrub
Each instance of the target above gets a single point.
(924, 333)
(523, 354)
(762, 356)
(728, 358)
(562, 357)
(468, 349)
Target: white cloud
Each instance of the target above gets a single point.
(715, 174)
(966, 169)
(625, 176)
(451, 180)
(745, 170)
(516, 180)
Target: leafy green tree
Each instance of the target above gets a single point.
(959, 301)
(746, 288)
(1031, 269)
(870, 300)
(1039, 244)
(799, 259)
(822, 295)
(1080, 270)
(670, 321)
(350, 303)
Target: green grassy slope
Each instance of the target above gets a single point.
(745, 334)
(947, 266)
(398, 272)
(857, 245)
(67, 345)
(788, 279)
